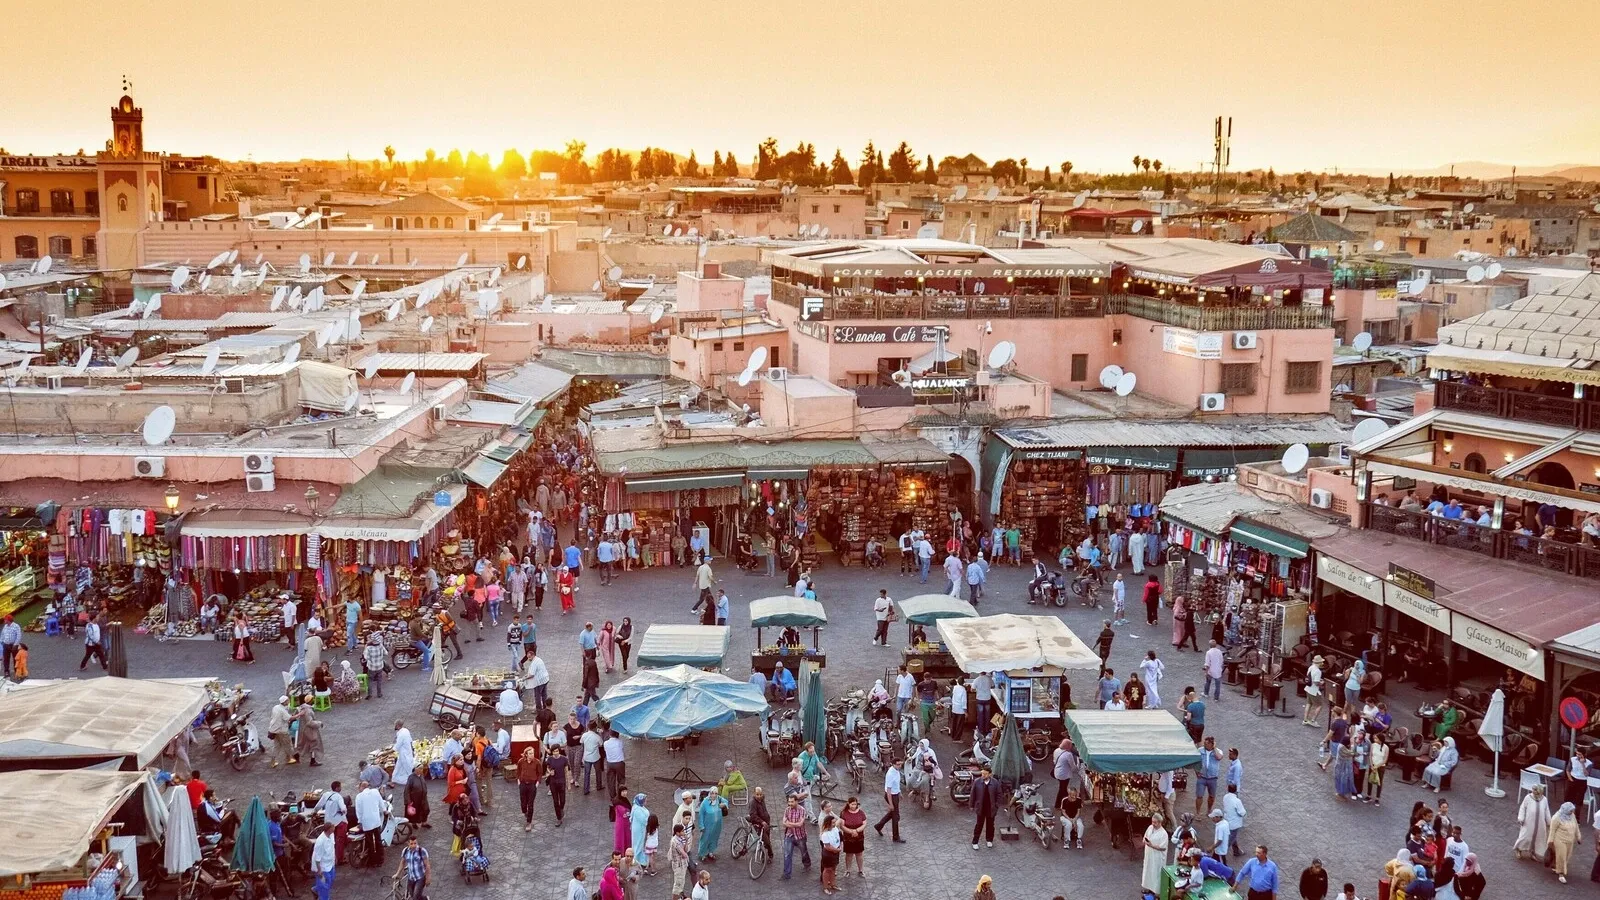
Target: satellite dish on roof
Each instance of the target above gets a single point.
(1362, 342)
(327, 259)
(278, 297)
(408, 382)
(928, 232)
(217, 260)
(1511, 251)
(213, 356)
(128, 358)
(656, 312)
(305, 263)
(382, 187)
(1475, 274)
(179, 276)
(355, 324)
(1411, 195)
(758, 358)
(83, 361)
(960, 193)
(1080, 200)
(614, 273)
(373, 260)
(395, 309)
(495, 218)
(158, 425)
(461, 260)
(1109, 376)
(991, 193)
(205, 281)
(1003, 353)
(427, 323)
(825, 231)
(1494, 270)
(371, 367)
(1377, 245)
(488, 301)
(1295, 458)
(1367, 429)
(351, 400)
(261, 276)
(259, 258)
(361, 288)
(595, 287)
(351, 259)
(605, 234)
(693, 231)
(1469, 207)
(1126, 383)
(677, 232)
(2, 281)
(1137, 226)
(291, 354)
(744, 378)
(666, 231)
(153, 304)
(325, 335)
(522, 262)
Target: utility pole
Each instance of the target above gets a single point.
(1221, 153)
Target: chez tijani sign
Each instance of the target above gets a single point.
(889, 334)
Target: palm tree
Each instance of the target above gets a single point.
(1137, 160)
(388, 153)
(1156, 165)
(1023, 162)
(1146, 164)
(1066, 170)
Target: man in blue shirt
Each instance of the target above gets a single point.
(589, 640)
(1109, 685)
(975, 579)
(1261, 874)
(722, 607)
(603, 555)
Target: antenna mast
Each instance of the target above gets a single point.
(1222, 152)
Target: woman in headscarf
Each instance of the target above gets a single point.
(712, 809)
(1400, 871)
(1155, 854)
(1344, 777)
(1564, 835)
(345, 688)
(417, 797)
(624, 639)
(1470, 881)
(1180, 615)
(1421, 887)
(1442, 764)
(1533, 825)
(621, 822)
(405, 758)
(455, 781)
(984, 890)
(608, 646)
(610, 885)
(879, 694)
(638, 818)
(310, 745)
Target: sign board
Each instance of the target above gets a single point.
(940, 383)
(1506, 649)
(976, 270)
(1049, 454)
(441, 498)
(1389, 293)
(887, 334)
(1588, 488)
(1346, 577)
(1415, 582)
(1193, 344)
(815, 330)
(1417, 607)
(1573, 713)
(1154, 459)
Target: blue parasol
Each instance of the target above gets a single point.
(676, 702)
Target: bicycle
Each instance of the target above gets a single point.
(1087, 586)
(746, 840)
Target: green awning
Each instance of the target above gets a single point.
(484, 471)
(1131, 740)
(684, 482)
(926, 609)
(777, 612)
(1221, 463)
(532, 420)
(1276, 543)
(778, 474)
(684, 645)
(1149, 459)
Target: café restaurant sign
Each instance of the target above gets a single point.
(1418, 607)
(1346, 577)
(980, 270)
(1193, 344)
(887, 334)
(1503, 648)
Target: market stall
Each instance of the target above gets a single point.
(701, 646)
(1030, 656)
(120, 723)
(74, 830)
(790, 614)
(925, 654)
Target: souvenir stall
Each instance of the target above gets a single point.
(85, 846)
(1034, 654)
(1124, 481)
(1125, 752)
(500, 481)
(789, 615)
(254, 559)
(925, 654)
(1041, 492)
(122, 556)
(24, 540)
(657, 508)
(845, 507)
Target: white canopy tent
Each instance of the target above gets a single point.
(118, 722)
(69, 807)
(1012, 643)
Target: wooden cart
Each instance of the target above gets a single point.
(452, 706)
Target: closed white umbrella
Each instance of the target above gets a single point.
(182, 844)
(439, 677)
(1493, 732)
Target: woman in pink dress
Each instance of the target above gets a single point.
(608, 645)
(1180, 614)
(621, 821)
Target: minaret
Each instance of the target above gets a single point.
(130, 188)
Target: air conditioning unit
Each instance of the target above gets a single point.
(260, 484)
(1213, 402)
(777, 374)
(233, 385)
(539, 216)
(257, 464)
(1244, 340)
(150, 466)
(440, 414)
(1322, 498)
(54, 382)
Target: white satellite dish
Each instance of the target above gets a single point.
(416, 262)
(1469, 207)
(927, 232)
(1362, 342)
(179, 276)
(1494, 270)
(237, 271)
(305, 262)
(153, 304)
(1137, 226)
(677, 232)
(825, 231)
(327, 260)
(83, 361)
(395, 309)
(278, 296)
(758, 358)
(2, 281)
(495, 218)
(1511, 251)
(408, 382)
(361, 288)
(261, 276)
(704, 250)
(427, 323)
(351, 400)
(1003, 353)
(205, 281)
(1475, 274)
(744, 377)
(291, 354)
(373, 260)
(595, 287)
(461, 260)
(1080, 200)
(158, 425)
(371, 367)
(382, 187)
(522, 262)
(259, 258)
(354, 329)
(213, 356)
(1109, 376)
(1295, 458)
(1377, 245)
(128, 358)
(1125, 384)
(614, 273)
(488, 301)
(217, 260)
(351, 259)
(991, 193)
(693, 231)
(666, 231)
(1367, 429)
(325, 335)
(605, 234)
(656, 312)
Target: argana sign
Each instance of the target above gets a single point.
(1193, 344)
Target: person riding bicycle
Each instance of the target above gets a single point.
(1089, 558)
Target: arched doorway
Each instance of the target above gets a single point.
(961, 482)
(1555, 475)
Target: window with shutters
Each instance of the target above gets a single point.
(1080, 367)
(1239, 379)
(1302, 377)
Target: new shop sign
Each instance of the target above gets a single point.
(1193, 344)
(1503, 648)
(888, 334)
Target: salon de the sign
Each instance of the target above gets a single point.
(887, 334)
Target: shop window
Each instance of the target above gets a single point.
(1302, 377)
(1475, 463)
(61, 247)
(61, 203)
(1080, 367)
(27, 201)
(1239, 379)
(91, 202)
(27, 246)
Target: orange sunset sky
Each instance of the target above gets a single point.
(1400, 84)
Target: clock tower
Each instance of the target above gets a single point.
(130, 188)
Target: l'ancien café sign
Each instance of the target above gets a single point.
(887, 334)
(982, 270)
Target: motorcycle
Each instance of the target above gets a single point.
(240, 742)
(1051, 589)
(1031, 811)
(405, 655)
(919, 779)
(1087, 585)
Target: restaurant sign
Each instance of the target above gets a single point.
(940, 383)
(1346, 577)
(1193, 344)
(1506, 649)
(888, 334)
(1417, 607)
(1415, 582)
(965, 271)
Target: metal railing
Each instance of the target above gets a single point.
(1221, 318)
(1553, 555)
(1521, 406)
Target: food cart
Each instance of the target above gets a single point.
(488, 683)
(926, 654)
(1029, 656)
(786, 613)
(85, 837)
(701, 646)
(452, 706)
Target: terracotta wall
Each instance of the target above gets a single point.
(198, 241)
(1181, 379)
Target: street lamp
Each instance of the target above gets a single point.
(311, 497)
(172, 496)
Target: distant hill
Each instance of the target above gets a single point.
(1577, 173)
(1490, 170)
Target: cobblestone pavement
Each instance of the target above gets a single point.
(1291, 804)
